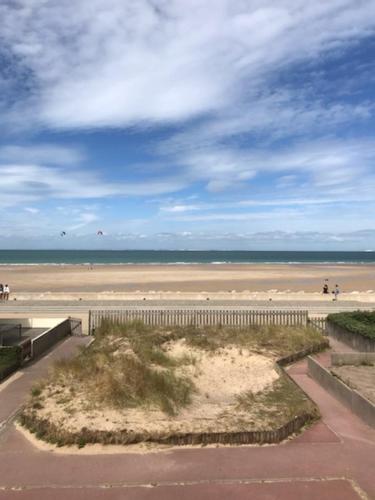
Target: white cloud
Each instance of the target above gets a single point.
(224, 72)
(116, 63)
(180, 208)
(244, 216)
(32, 210)
(84, 219)
(269, 115)
(40, 172)
(325, 166)
(20, 184)
(286, 200)
(95, 63)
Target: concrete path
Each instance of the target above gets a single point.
(332, 460)
(85, 305)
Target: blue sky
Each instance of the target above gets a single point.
(187, 124)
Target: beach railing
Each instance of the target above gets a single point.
(199, 317)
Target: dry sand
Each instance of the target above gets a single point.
(218, 377)
(186, 278)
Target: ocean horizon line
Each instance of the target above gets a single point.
(176, 250)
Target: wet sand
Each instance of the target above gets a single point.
(187, 278)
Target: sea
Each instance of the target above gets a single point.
(107, 257)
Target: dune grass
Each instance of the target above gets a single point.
(126, 367)
(281, 401)
(272, 339)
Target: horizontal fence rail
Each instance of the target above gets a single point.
(198, 317)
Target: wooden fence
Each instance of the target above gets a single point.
(319, 324)
(199, 317)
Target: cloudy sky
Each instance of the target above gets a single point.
(193, 124)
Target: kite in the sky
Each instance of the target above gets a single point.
(63, 233)
(100, 233)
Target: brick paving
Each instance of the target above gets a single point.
(331, 460)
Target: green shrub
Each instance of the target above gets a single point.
(10, 360)
(357, 322)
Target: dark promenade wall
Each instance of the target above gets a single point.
(349, 397)
(357, 342)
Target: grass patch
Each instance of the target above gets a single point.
(281, 402)
(126, 367)
(272, 339)
(10, 360)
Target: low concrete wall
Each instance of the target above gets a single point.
(32, 322)
(352, 358)
(49, 338)
(357, 342)
(358, 404)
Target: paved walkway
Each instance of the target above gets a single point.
(80, 306)
(331, 460)
(15, 389)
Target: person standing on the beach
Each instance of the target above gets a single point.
(6, 292)
(336, 292)
(1, 291)
(325, 288)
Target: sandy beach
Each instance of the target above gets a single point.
(37, 279)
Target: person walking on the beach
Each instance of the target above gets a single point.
(6, 292)
(336, 292)
(325, 287)
(1, 291)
